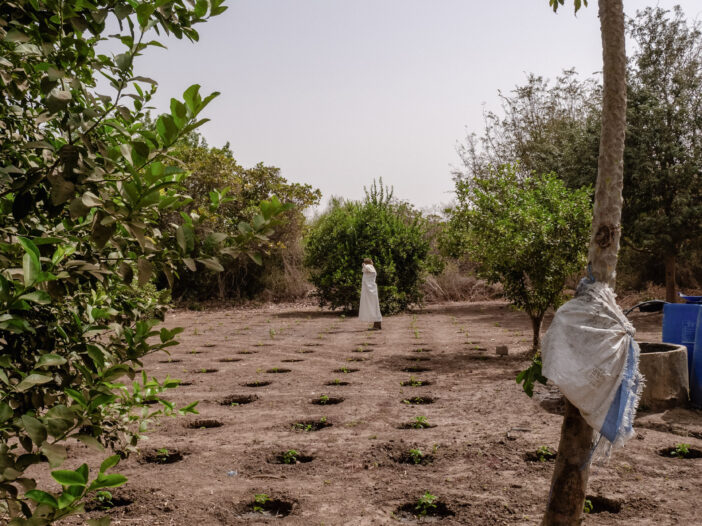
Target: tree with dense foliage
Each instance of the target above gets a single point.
(216, 168)
(572, 470)
(84, 181)
(525, 231)
(547, 127)
(389, 232)
(663, 156)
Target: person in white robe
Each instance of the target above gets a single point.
(370, 305)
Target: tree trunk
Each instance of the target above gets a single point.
(536, 327)
(670, 262)
(569, 482)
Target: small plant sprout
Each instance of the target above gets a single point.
(544, 453)
(426, 504)
(413, 382)
(290, 456)
(323, 399)
(588, 506)
(260, 500)
(162, 454)
(323, 420)
(103, 499)
(416, 333)
(419, 422)
(416, 455)
(344, 370)
(336, 381)
(271, 333)
(681, 450)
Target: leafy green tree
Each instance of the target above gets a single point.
(84, 181)
(212, 169)
(391, 233)
(663, 155)
(547, 127)
(527, 233)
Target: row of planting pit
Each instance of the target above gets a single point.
(426, 505)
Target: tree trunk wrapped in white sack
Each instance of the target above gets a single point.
(589, 352)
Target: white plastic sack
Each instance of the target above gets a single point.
(589, 352)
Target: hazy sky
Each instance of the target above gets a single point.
(338, 92)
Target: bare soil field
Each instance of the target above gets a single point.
(356, 406)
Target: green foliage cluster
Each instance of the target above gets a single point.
(528, 233)
(213, 169)
(555, 127)
(663, 155)
(391, 233)
(84, 181)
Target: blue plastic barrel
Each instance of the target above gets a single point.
(680, 326)
(690, 299)
(696, 372)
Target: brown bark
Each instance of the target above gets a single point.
(569, 482)
(670, 263)
(536, 327)
(570, 476)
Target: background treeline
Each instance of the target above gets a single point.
(544, 127)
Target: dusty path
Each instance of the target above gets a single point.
(485, 426)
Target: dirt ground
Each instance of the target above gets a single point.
(276, 361)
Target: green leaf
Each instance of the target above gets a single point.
(5, 412)
(212, 264)
(40, 297)
(192, 96)
(55, 453)
(113, 480)
(32, 380)
(69, 478)
(109, 463)
(58, 100)
(179, 113)
(35, 429)
(145, 269)
(256, 258)
(42, 497)
(50, 360)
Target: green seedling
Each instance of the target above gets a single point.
(271, 333)
(103, 500)
(416, 333)
(299, 426)
(234, 404)
(588, 506)
(544, 453)
(416, 455)
(426, 504)
(290, 456)
(419, 422)
(413, 382)
(336, 381)
(260, 500)
(323, 399)
(323, 420)
(680, 451)
(344, 370)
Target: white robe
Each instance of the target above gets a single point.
(370, 307)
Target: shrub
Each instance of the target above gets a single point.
(391, 233)
(527, 233)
